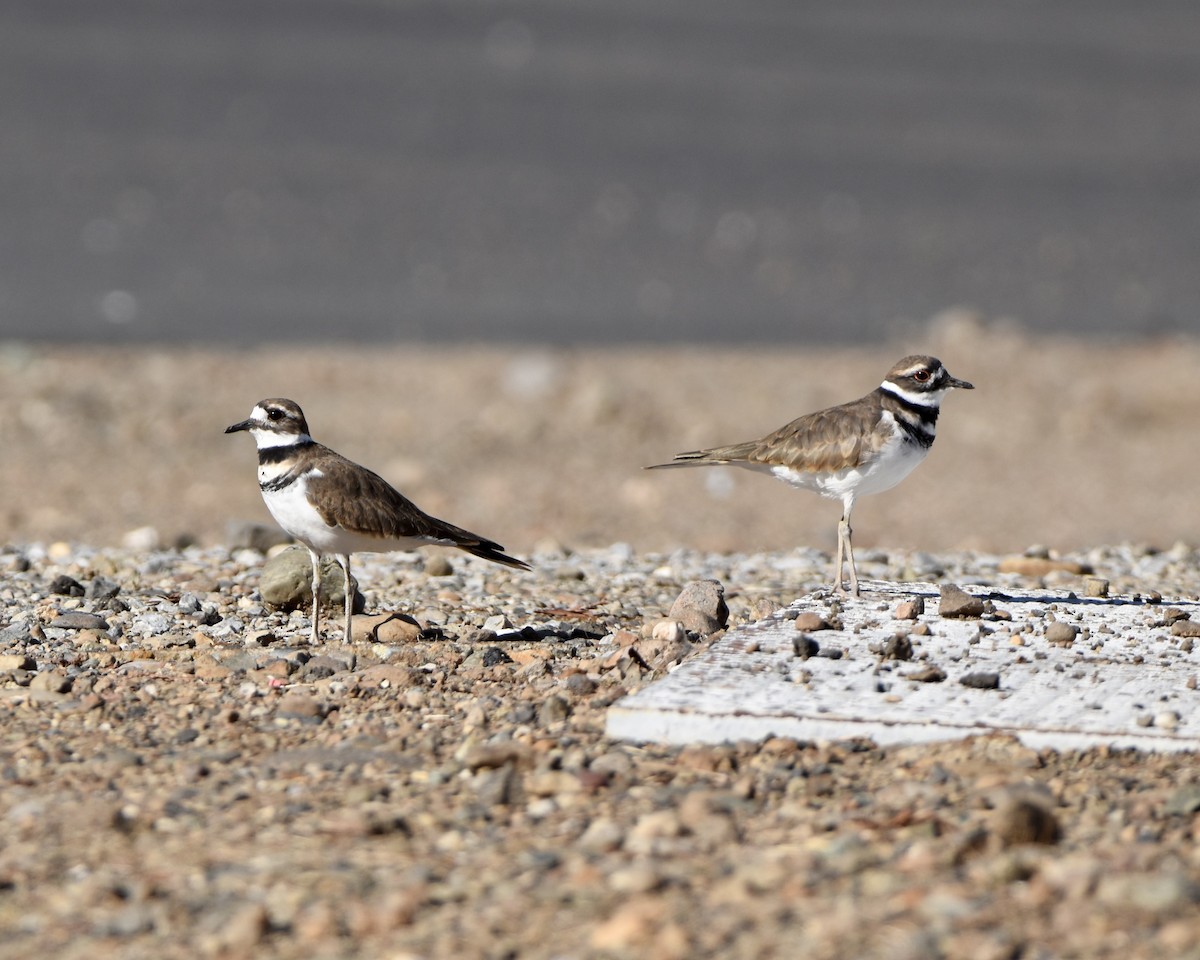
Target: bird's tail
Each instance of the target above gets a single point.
(707, 458)
(488, 550)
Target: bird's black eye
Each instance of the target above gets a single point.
(274, 414)
(921, 376)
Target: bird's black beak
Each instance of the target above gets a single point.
(954, 383)
(247, 424)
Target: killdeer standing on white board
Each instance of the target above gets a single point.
(858, 448)
(333, 506)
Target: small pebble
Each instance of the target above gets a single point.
(896, 647)
(669, 631)
(956, 602)
(1061, 634)
(1023, 819)
(438, 565)
(928, 674)
(910, 609)
(67, 586)
(78, 620)
(804, 646)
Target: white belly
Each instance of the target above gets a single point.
(893, 463)
(293, 512)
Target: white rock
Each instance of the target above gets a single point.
(142, 539)
(669, 631)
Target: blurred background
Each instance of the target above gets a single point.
(508, 253)
(594, 171)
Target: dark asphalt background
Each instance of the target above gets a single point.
(595, 171)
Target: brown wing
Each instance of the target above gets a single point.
(831, 439)
(357, 499)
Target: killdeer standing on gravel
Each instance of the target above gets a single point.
(858, 448)
(333, 506)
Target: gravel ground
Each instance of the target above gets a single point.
(183, 776)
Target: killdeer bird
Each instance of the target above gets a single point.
(333, 506)
(858, 448)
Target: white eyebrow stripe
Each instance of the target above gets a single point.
(930, 398)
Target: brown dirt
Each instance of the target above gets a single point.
(1061, 443)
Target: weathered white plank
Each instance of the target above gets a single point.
(1124, 681)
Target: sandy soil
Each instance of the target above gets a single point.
(1061, 443)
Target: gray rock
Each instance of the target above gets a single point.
(579, 684)
(613, 763)
(981, 680)
(1183, 802)
(804, 646)
(490, 656)
(1155, 892)
(522, 713)
(326, 665)
(923, 566)
(130, 921)
(554, 709)
(226, 628)
(487, 657)
(78, 620)
(15, 634)
(701, 608)
(16, 563)
(957, 603)
(479, 637)
(897, 647)
(501, 787)
(102, 588)
(152, 624)
(286, 582)
(66, 586)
